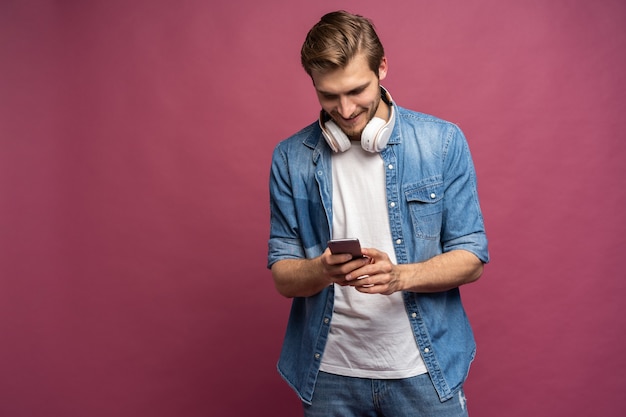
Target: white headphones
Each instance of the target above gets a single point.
(375, 136)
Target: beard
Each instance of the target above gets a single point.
(356, 132)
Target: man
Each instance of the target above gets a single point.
(386, 333)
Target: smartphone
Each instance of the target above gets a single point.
(351, 246)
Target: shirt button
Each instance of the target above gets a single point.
(426, 350)
(433, 195)
(317, 356)
(392, 204)
(398, 241)
(414, 315)
(390, 166)
(326, 320)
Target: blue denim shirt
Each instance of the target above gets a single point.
(433, 208)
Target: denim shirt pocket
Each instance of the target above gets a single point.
(425, 202)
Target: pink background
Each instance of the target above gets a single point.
(135, 142)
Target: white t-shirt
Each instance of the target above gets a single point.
(370, 334)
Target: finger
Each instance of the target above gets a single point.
(339, 259)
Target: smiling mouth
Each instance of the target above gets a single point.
(350, 121)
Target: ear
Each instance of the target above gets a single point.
(382, 68)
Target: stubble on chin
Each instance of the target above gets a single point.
(355, 134)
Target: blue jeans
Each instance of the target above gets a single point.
(342, 396)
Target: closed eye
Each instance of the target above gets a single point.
(354, 92)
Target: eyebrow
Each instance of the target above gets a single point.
(355, 90)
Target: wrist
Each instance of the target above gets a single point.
(406, 276)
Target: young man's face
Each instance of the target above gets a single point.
(351, 95)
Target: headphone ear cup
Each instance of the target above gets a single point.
(372, 137)
(335, 137)
(376, 134)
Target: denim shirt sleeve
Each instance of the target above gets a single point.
(300, 194)
(439, 206)
(463, 224)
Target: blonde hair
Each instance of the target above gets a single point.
(336, 39)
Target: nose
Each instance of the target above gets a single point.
(345, 107)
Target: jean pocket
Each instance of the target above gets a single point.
(425, 201)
